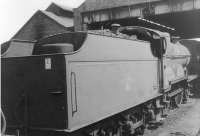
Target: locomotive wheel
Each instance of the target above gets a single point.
(179, 98)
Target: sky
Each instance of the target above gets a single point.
(15, 13)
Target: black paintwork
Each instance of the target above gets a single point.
(33, 96)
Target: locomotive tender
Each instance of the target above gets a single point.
(93, 83)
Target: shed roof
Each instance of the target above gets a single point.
(39, 25)
(64, 21)
(94, 5)
(61, 20)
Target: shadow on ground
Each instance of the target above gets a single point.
(198, 134)
(196, 89)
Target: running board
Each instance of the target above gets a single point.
(175, 92)
(178, 80)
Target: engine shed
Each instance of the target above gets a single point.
(98, 14)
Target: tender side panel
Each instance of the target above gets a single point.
(101, 89)
(109, 75)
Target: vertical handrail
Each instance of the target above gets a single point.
(161, 66)
(73, 93)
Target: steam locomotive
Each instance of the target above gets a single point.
(93, 83)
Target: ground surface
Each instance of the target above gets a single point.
(184, 121)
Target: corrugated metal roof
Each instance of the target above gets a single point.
(94, 5)
(64, 21)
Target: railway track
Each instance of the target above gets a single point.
(183, 121)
